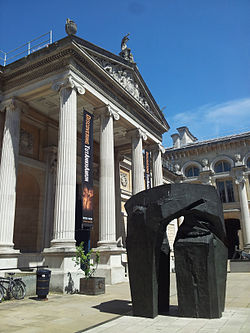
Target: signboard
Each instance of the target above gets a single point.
(147, 169)
(87, 170)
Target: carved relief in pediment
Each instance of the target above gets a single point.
(126, 79)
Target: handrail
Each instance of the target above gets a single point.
(22, 268)
(29, 48)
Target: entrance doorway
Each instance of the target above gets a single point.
(232, 228)
(26, 231)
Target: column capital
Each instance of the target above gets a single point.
(137, 133)
(239, 176)
(12, 104)
(240, 179)
(108, 111)
(156, 147)
(69, 82)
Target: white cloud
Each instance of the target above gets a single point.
(215, 120)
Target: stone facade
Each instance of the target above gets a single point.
(42, 97)
(223, 163)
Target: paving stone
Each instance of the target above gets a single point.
(77, 313)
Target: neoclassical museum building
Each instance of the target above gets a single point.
(43, 96)
(224, 163)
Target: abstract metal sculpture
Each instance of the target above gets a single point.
(200, 250)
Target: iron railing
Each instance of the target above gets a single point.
(26, 49)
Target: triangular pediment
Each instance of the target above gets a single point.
(127, 75)
(126, 78)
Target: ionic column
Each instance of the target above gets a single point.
(157, 152)
(8, 174)
(64, 212)
(245, 219)
(137, 135)
(107, 223)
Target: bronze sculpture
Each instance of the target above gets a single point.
(200, 250)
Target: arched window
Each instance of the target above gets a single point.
(225, 190)
(192, 171)
(222, 166)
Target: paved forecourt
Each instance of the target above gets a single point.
(111, 312)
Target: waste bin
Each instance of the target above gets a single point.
(42, 283)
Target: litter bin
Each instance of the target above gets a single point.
(42, 283)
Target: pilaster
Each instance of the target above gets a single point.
(120, 230)
(51, 164)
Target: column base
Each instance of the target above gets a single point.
(60, 258)
(63, 243)
(111, 264)
(65, 275)
(108, 245)
(9, 257)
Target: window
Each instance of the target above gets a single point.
(192, 171)
(225, 189)
(222, 166)
(248, 162)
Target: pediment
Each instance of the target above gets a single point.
(127, 75)
(127, 79)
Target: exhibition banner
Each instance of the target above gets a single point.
(147, 169)
(87, 170)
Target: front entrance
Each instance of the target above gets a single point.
(26, 231)
(232, 228)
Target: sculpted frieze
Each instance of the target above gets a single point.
(126, 79)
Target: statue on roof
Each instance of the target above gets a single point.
(125, 51)
(70, 27)
(124, 41)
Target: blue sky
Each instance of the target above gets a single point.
(194, 55)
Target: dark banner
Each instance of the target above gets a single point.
(147, 169)
(87, 170)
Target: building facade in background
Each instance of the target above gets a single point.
(223, 163)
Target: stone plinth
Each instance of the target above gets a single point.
(110, 265)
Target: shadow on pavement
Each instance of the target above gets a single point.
(116, 306)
